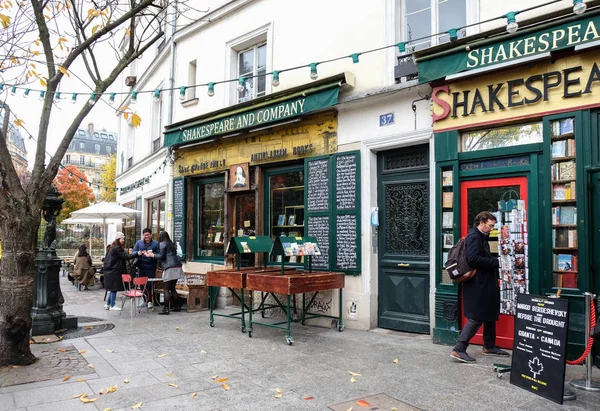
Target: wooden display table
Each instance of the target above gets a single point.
(290, 284)
(236, 279)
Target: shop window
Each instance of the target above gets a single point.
(286, 207)
(502, 137)
(129, 228)
(156, 215)
(209, 227)
(423, 18)
(564, 204)
(252, 62)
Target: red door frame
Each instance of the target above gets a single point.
(505, 327)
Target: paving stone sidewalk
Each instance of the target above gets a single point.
(169, 363)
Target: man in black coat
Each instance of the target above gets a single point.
(481, 294)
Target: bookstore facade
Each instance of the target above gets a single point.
(524, 143)
(266, 169)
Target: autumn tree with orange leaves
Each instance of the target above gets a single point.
(74, 189)
(41, 43)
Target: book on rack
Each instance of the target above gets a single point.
(295, 249)
(563, 262)
(564, 215)
(561, 238)
(218, 237)
(559, 149)
(287, 249)
(566, 170)
(566, 126)
(559, 192)
(447, 197)
(572, 238)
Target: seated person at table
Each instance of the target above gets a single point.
(147, 265)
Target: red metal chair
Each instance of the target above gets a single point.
(134, 290)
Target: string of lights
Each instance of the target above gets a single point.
(83, 178)
(512, 26)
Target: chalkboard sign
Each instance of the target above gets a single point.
(346, 247)
(332, 199)
(540, 345)
(318, 185)
(179, 213)
(345, 182)
(318, 227)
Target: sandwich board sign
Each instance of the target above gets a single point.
(540, 345)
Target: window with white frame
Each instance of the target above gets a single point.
(157, 121)
(420, 19)
(97, 148)
(191, 91)
(252, 65)
(82, 146)
(81, 160)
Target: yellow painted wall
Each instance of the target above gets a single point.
(556, 101)
(314, 136)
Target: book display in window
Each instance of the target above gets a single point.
(564, 203)
(446, 218)
(287, 218)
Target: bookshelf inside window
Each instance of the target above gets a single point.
(564, 203)
(447, 218)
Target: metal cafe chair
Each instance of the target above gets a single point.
(134, 291)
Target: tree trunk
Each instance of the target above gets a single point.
(17, 272)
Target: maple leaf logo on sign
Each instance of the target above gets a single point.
(536, 367)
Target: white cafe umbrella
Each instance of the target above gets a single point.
(104, 211)
(91, 221)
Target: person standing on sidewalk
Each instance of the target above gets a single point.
(172, 271)
(82, 267)
(114, 267)
(147, 265)
(481, 294)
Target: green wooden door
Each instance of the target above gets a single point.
(404, 243)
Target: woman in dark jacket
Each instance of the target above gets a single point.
(115, 266)
(172, 271)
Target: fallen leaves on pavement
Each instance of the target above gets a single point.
(225, 386)
(138, 405)
(66, 377)
(363, 403)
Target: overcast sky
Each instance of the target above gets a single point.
(29, 110)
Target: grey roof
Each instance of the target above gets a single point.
(14, 135)
(85, 142)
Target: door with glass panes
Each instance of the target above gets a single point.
(506, 198)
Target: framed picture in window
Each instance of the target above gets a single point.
(292, 220)
(447, 240)
(239, 177)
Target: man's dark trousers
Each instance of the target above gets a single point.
(471, 327)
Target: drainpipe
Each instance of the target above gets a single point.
(170, 107)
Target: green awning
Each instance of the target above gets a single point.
(513, 49)
(258, 115)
